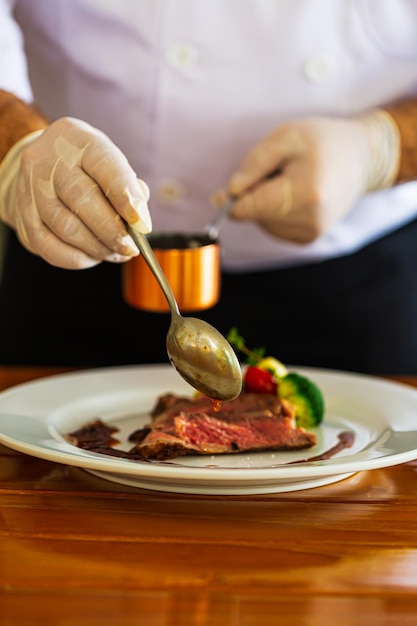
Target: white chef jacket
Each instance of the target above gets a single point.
(186, 87)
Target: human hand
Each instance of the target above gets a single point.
(66, 191)
(306, 175)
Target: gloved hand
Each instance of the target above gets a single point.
(65, 189)
(308, 174)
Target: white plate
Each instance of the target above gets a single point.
(35, 416)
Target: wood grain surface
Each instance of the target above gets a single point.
(75, 550)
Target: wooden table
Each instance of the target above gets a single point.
(75, 549)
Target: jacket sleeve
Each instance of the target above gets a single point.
(13, 67)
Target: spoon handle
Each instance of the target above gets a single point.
(148, 254)
(213, 228)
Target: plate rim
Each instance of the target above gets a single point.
(164, 471)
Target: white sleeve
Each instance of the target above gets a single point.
(392, 25)
(13, 68)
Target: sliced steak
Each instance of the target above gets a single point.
(252, 422)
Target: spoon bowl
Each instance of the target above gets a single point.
(199, 352)
(204, 358)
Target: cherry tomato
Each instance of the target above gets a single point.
(259, 381)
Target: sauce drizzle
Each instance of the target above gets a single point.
(346, 439)
(217, 405)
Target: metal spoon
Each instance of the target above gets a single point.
(200, 354)
(212, 229)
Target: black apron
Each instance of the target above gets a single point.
(357, 312)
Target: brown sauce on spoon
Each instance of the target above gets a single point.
(217, 405)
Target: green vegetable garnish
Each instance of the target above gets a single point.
(252, 356)
(299, 390)
(305, 396)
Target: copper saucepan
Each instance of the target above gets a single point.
(191, 264)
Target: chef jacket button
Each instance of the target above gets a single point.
(169, 191)
(318, 68)
(182, 56)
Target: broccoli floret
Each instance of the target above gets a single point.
(305, 396)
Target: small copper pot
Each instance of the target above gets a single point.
(191, 263)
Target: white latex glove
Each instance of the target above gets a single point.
(65, 189)
(324, 165)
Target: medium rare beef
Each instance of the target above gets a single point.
(251, 422)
